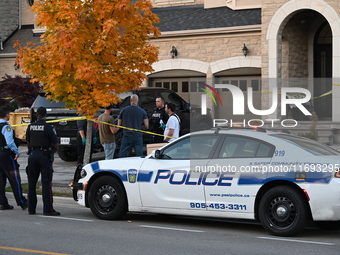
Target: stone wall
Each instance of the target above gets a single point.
(7, 67)
(9, 21)
(269, 7)
(209, 48)
(296, 31)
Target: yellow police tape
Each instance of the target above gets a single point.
(94, 120)
(147, 132)
(132, 129)
(51, 121)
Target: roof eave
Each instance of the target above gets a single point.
(8, 55)
(212, 31)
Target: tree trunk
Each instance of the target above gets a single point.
(87, 152)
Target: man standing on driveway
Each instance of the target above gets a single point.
(173, 125)
(132, 117)
(107, 132)
(9, 167)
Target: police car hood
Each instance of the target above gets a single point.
(117, 166)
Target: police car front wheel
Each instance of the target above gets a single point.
(283, 211)
(107, 198)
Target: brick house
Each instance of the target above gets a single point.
(291, 43)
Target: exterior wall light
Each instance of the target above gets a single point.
(173, 52)
(30, 2)
(245, 50)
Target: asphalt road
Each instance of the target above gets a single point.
(77, 231)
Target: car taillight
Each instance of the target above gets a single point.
(337, 173)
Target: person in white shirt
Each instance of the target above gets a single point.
(173, 125)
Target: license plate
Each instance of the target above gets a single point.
(64, 140)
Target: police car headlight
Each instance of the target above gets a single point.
(83, 173)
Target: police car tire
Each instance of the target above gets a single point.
(107, 198)
(284, 211)
(67, 154)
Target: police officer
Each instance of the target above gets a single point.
(158, 121)
(9, 167)
(42, 143)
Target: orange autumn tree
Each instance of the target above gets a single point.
(91, 51)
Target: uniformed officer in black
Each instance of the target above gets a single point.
(9, 167)
(42, 144)
(158, 120)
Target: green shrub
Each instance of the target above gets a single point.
(313, 133)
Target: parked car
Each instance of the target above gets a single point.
(67, 130)
(283, 181)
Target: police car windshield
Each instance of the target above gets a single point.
(311, 146)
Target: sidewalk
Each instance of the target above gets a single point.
(63, 171)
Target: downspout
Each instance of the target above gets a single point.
(20, 13)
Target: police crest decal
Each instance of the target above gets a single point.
(132, 174)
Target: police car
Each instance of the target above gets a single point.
(281, 180)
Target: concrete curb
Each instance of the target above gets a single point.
(62, 188)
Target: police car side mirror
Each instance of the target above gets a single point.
(156, 154)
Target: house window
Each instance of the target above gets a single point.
(242, 83)
(179, 85)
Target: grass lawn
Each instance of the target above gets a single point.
(39, 191)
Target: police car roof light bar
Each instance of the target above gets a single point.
(258, 129)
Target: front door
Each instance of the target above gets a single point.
(323, 73)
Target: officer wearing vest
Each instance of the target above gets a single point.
(42, 143)
(158, 121)
(9, 167)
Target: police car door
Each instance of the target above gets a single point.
(173, 183)
(235, 174)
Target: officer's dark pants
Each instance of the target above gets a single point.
(39, 163)
(9, 169)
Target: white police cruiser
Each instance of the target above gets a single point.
(280, 179)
